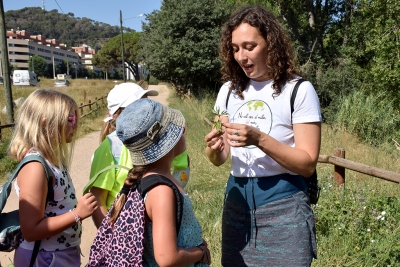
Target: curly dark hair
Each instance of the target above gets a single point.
(280, 62)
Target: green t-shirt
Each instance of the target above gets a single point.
(111, 180)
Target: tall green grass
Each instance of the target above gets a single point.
(357, 224)
(373, 117)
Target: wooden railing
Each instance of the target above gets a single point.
(97, 103)
(4, 126)
(341, 164)
(143, 84)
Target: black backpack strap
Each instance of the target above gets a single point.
(35, 252)
(153, 180)
(227, 98)
(49, 173)
(50, 192)
(293, 96)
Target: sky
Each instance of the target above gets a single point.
(102, 11)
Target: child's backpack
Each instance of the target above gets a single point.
(10, 232)
(121, 244)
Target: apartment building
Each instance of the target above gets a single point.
(22, 45)
(86, 54)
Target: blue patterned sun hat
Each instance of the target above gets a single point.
(149, 130)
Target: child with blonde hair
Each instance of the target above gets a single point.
(46, 126)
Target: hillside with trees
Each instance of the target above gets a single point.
(66, 28)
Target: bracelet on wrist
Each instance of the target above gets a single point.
(202, 250)
(76, 216)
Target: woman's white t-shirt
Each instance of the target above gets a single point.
(270, 114)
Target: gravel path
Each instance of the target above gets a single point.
(80, 171)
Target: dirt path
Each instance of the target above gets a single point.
(80, 171)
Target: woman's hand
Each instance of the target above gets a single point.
(215, 140)
(240, 135)
(300, 159)
(217, 149)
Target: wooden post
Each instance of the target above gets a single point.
(4, 61)
(81, 108)
(95, 101)
(340, 175)
(90, 105)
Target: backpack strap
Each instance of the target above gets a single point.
(49, 197)
(7, 186)
(293, 97)
(227, 98)
(153, 180)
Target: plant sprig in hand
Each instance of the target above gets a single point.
(217, 124)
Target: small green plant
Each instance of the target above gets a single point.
(11, 263)
(217, 124)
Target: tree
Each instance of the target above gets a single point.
(38, 65)
(374, 43)
(110, 55)
(103, 61)
(180, 42)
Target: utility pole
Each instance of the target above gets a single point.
(33, 64)
(54, 68)
(122, 46)
(4, 60)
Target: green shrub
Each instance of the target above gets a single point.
(372, 117)
(153, 81)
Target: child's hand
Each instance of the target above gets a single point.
(87, 204)
(207, 255)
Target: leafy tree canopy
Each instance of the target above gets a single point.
(111, 55)
(38, 65)
(180, 41)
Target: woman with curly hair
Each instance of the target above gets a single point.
(267, 218)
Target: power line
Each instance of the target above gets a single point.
(59, 6)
